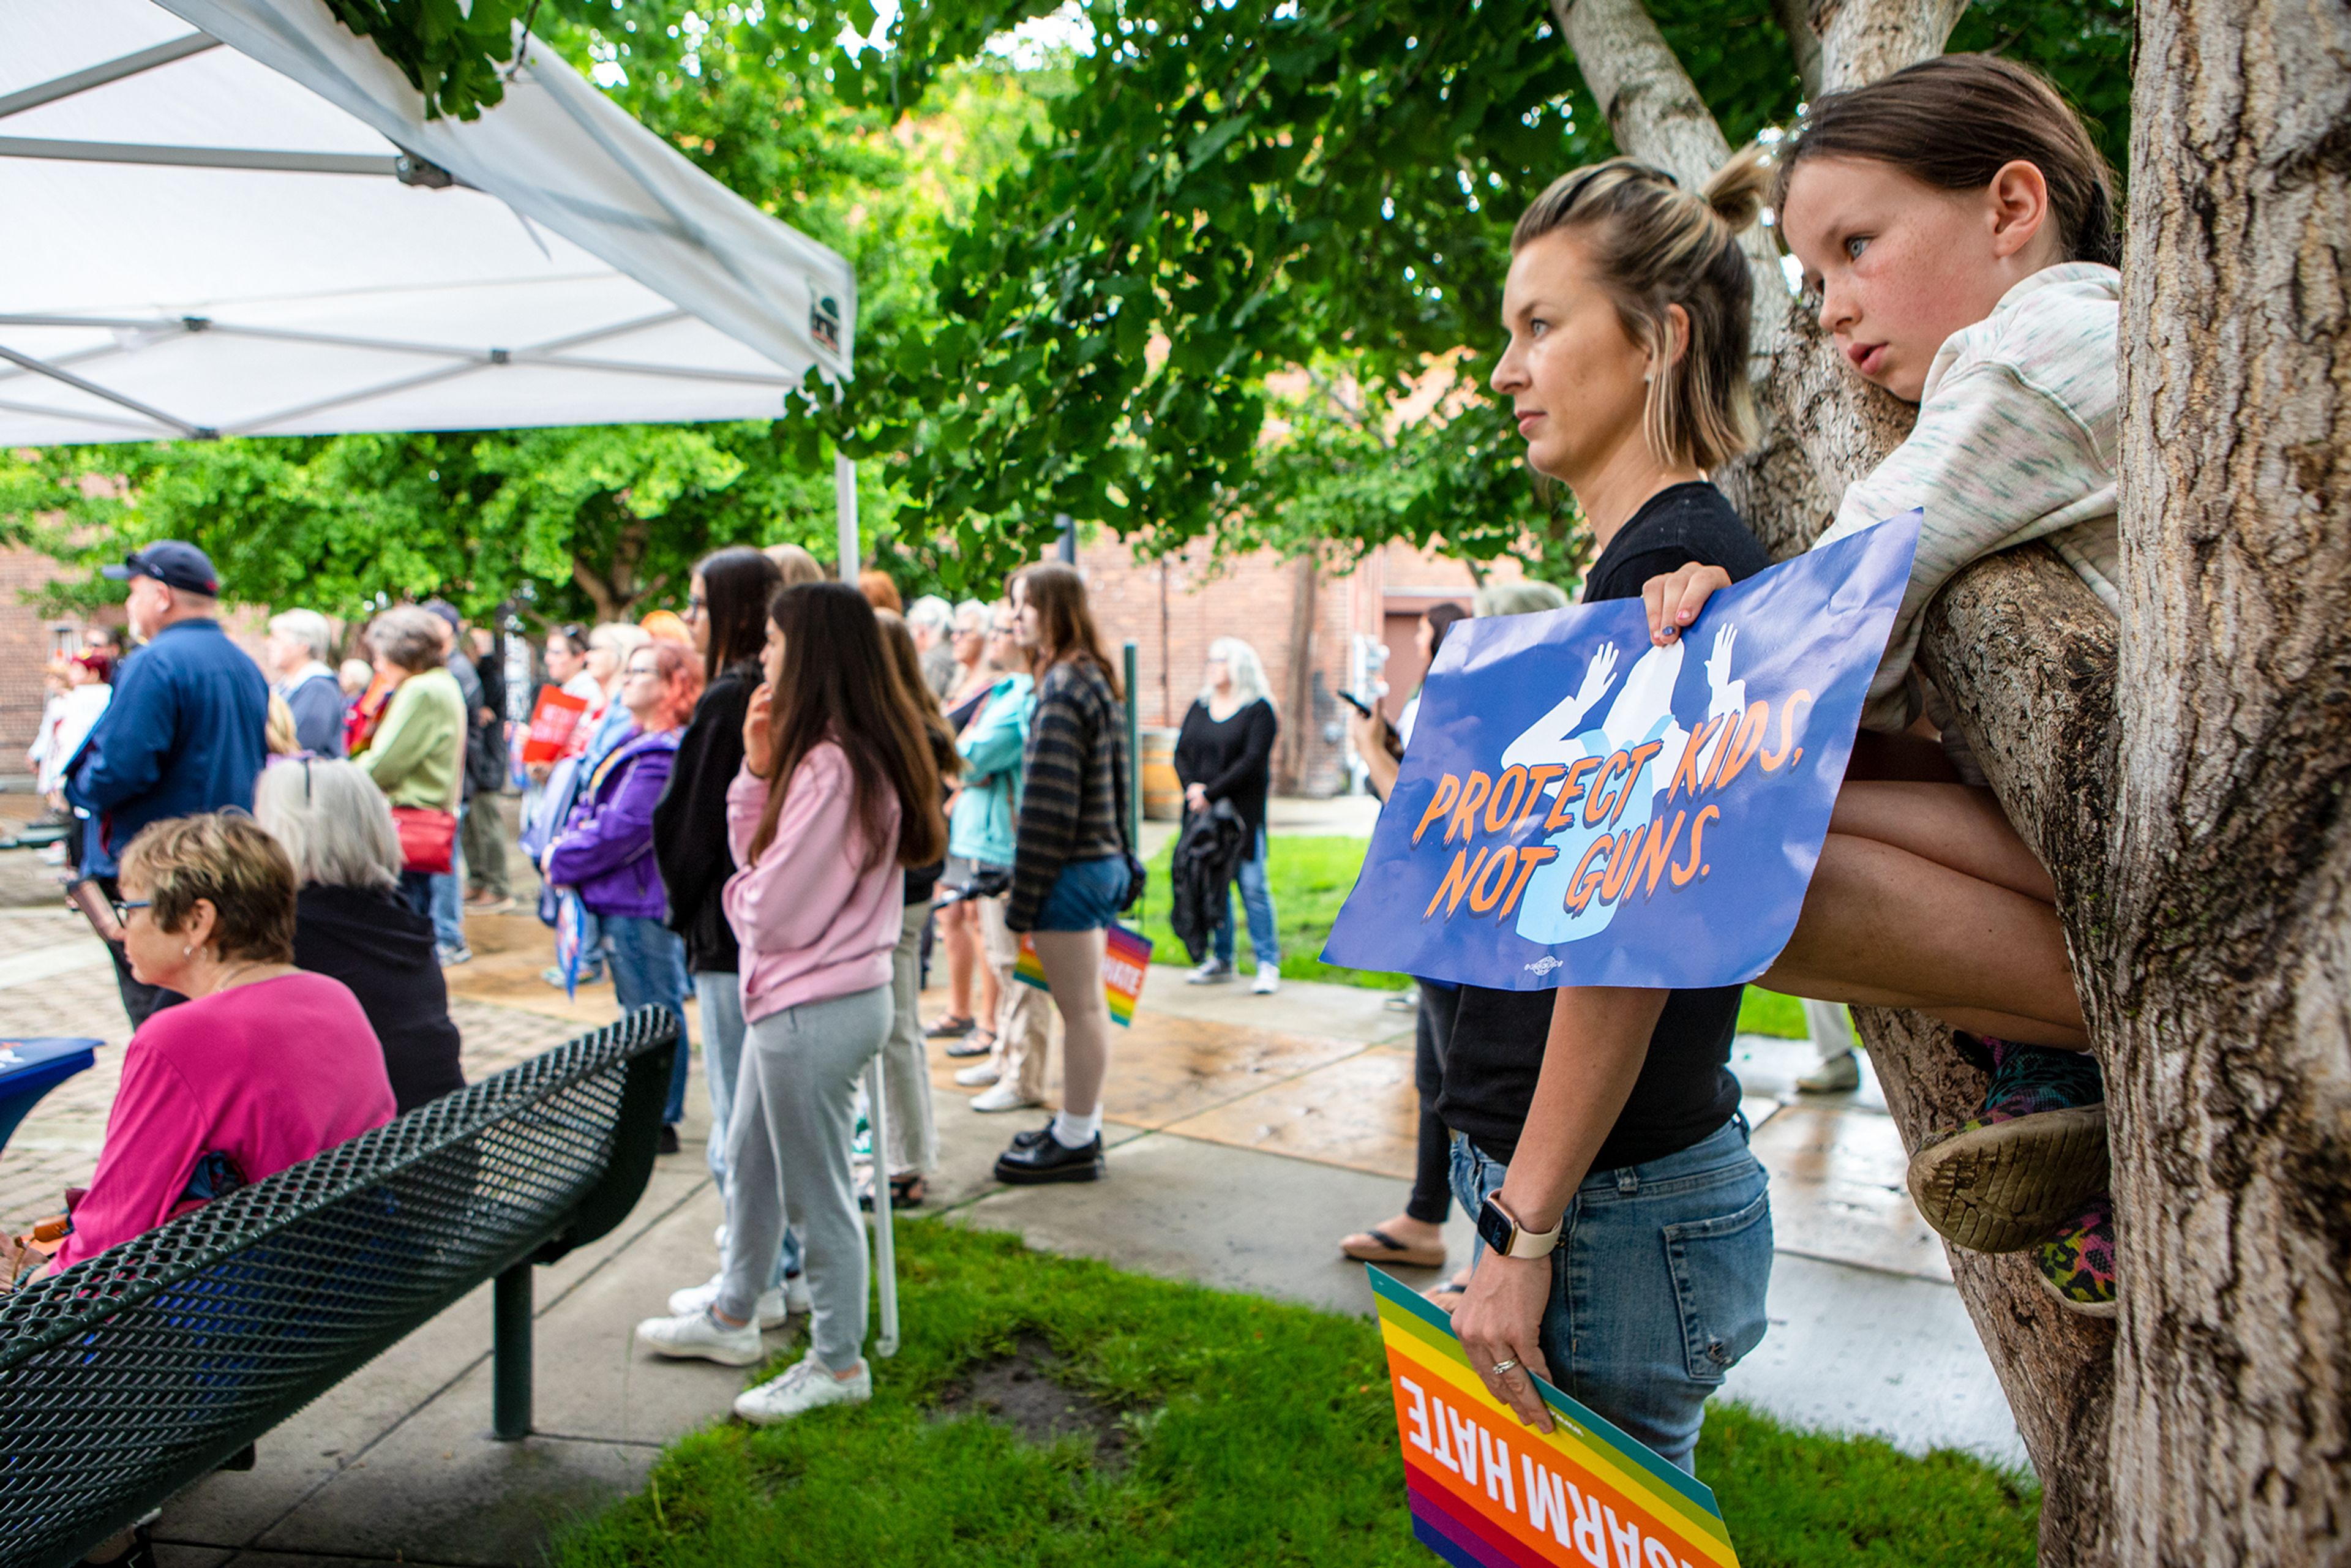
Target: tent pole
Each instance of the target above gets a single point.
(844, 504)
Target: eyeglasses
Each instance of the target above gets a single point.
(123, 907)
(697, 604)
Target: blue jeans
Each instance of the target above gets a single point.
(1086, 895)
(721, 994)
(448, 900)
(648, 963)
(1256, 901)
(1658, 1282)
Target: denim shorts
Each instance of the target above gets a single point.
(1658, 1283)
(1086, 896)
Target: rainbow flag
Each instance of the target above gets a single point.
(1487, 1492)
(1126, 959)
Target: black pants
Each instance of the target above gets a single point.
(1431, 1036)
(140, 1000)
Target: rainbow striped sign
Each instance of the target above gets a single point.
(1126, 959)
(1584, 1496)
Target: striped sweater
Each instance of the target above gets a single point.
(1068, 801)
(2015, 441)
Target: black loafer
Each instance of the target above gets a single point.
(1029, 1140)
(1048, 1160)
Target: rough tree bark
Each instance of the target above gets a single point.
(2027, 657)
(2221, 967)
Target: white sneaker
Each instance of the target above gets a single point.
(805, 1385)
(1004, 1096)
(1269, 980)
(773, 1307)
(977, 1077)
(797, 1299)
(1839, 1074)
(1209, 971)
(699, 1334)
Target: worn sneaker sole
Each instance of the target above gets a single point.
(2010, 1185)
(2085, 1309)
(1028, 1176)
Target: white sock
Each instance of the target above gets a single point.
(1076, 1132)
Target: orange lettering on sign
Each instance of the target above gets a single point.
(1587, 880)
(1620, 865)
(1695, 866)
(1638, 758)
(1603, 800)
(1570, 790)
(1465, 811)
(1789, 750)
(1742, 747)
(1657, 850)
(1486, 890)
(1448, 790)
(1498, 816)
(1538, 779)
(1459, 879)
(1686, 771)
(1532, 856)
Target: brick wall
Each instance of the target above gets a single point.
(1174, 610)
(27, 636)
(25, 643)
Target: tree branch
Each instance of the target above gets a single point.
(1861, 40)
(1803, 44)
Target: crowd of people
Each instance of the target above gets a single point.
(768, 809)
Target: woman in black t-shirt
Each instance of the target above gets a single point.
(1225, 753)
(1616, 1178)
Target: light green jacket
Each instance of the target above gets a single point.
(418, 756)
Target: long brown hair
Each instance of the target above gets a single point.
(836, 684)
(1654, 245)
(907, 663)
(1065, 625)
(736, 583)
(1952, 122)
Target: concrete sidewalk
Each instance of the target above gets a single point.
(1247, 1135)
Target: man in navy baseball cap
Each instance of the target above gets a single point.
(184, 734)
(172, 563)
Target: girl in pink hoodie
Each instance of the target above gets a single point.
(838, 794)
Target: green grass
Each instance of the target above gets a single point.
(1258, 1433)
(1312, 877)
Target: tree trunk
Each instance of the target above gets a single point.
(1295, 744)
(2221, 967)
(2027, 657)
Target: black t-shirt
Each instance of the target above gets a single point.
(1684, 1090)
(373, 942)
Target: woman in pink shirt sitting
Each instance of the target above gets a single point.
(262, 1067)
(838, 794)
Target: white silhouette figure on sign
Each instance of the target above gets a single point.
(1641, 714)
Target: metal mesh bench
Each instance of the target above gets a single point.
(139, 1371)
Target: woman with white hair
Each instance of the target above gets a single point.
(300, 643)
(1225, 753)
(350, 923)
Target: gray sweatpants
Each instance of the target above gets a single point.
(787, 1142)
(906, 1075)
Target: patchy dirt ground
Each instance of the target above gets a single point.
(1020, 1391)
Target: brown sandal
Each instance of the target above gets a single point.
(1379, 1246)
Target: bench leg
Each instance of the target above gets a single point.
(510, 1354)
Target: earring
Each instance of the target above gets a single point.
(187, 952)
(1647, 376)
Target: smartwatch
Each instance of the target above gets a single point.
(1500, 1229)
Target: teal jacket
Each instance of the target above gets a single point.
(982, 828)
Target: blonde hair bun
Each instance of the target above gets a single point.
(1735, 191)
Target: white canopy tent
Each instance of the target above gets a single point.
(230, 217)
(269, 238)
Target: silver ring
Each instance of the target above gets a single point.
(1504, 1366)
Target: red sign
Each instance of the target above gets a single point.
(552, 721)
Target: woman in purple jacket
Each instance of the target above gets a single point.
(605, 851)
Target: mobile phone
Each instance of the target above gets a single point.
(1353, 701)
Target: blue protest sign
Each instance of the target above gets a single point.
(1578, 808)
